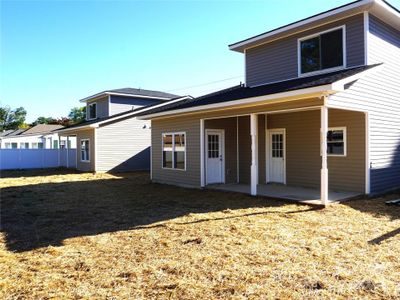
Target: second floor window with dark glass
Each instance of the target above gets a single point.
(321, 52)
(92, 111)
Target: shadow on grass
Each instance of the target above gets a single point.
(37, 172)
(34, 216)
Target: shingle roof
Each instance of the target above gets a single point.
(42, 128)
(15, 132)
(242, 92)
(141, 92)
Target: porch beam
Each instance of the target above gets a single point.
(254, 153)
(202, 149)
(324, 155)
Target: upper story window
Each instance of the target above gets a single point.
(322, 51)
(92, 111)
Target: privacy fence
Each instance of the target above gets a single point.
(37, 158)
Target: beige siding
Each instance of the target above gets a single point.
(303, 160)
(190, 177)
(85, 166)
(124, 146)
(229, 126)
(303, 149)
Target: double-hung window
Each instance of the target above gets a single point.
(92, 111)
(323, 51)
(174, 150)
(85, 150)
(336, 141)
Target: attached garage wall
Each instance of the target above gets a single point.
(85, 166)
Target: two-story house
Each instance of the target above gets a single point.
(318, 117)
(112, 138)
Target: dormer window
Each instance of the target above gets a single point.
(323, 51)
(92, 111)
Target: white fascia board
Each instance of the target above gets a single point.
(299, 24)
(302, 92)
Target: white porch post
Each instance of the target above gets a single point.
(67, 147)
(202, 179)
(324, 156)
(254, 153)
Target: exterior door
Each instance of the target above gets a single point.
(276, 162)
(215, 156)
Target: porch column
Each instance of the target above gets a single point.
(324, 156)
(202, 181)
(254, 153)
(67, 147)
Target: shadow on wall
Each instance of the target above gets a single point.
(384, 179)
(138, 162)
(41, 215)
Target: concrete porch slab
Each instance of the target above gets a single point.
(280, 191)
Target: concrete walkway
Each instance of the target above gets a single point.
(280, 191)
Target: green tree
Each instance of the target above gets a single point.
(11, 119)
(43, 120)
(77, 114)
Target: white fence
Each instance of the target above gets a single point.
(37, 158)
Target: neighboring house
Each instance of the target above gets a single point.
(111, 138)
(320, 111)
(41, 136)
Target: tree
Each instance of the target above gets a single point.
(77, 114)
(11, 119)
(43, 120)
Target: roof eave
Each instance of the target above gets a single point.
(366, 5)
(99, 95)
(290, 95)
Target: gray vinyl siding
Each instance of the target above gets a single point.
(379, 95)
(101, 107)
(83, 165)
(123, 146)
(119, 104)
(277, 60)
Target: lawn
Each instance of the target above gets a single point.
(71, 235)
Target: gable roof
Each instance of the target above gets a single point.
(230, 95)
(42, 128)
(133, 92)
(380, 8)
(126, 114)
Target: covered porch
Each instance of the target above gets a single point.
(287, 153)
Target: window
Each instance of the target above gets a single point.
(93, 111)
(55, 144)
(37, 145)
(323, 51)
(14, 145)
(336, 140)
(174, 151)
(24, 145)
(62, 144)
(85, 150)
(7, 145)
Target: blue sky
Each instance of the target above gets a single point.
(54, 53)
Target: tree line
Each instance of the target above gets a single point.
(11, 119)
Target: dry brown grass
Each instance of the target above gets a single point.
(106, 236)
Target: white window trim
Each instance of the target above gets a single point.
(344, 141)
(80, 150)
(343, 66)
(173, 147)
(88, 112)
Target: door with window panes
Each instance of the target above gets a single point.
(277, 156)
(215, 156)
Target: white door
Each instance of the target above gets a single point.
(277, 156)
(215, 156)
